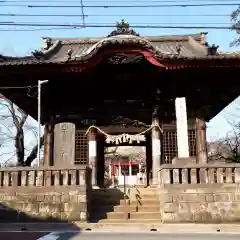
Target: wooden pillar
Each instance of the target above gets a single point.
(156, 151)
(201, 141)
(64, 144)
(92, 154)
(148, 159)
(100, 160)
(47, 144)
(182, 128)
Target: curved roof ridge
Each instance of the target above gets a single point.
(51, 48)
(92, 40)
(94, 48)
(13, 58)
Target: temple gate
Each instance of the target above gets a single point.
(165, 85)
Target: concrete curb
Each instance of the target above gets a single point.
(124, 227)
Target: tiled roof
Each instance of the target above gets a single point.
(61, 50)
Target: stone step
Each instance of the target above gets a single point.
(116, 198)
(130, 221)
(120, 193)
(121, 208)
(114, 202)
(134, 215)
(145, 208)
(143, 198)
(142, 202)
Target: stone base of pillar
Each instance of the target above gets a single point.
(154, 182)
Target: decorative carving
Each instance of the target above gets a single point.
(69, 53)
(37, 54)
(211, 50)
(126, 122)
(123, 28)
(123, 58)
(47, 43)
(179, 48)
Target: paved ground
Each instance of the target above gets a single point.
(145, 236)
(22, 235)
(115, 236)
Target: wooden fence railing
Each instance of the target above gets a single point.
(44, 176)
(199, 174)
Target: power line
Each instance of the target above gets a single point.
(119, 1)
(113, 26)
(67, 28)
(122, 6)
(19, 87)
(37, 29)
(111, 15)
(132, 23)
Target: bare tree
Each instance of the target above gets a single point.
(236, 25)
(14, 126)
(228, 148)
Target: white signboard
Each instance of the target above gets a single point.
(182, 128)
(92, 148)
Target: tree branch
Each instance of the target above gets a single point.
(33, 153)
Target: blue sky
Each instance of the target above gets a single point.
(22, 43)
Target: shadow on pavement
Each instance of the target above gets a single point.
(13, 220)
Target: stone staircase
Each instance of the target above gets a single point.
(141, 205)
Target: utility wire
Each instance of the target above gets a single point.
(132, 23)
(55, 29)
(37, 29)
(122, 6)
(111, 15)
(119, 1)
(19, 87)
(113, 26)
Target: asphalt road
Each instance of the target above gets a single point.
(150, 236)
(22, 235)
(115, 236)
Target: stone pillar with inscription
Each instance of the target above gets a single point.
(64, 144)
(92, 154)
(201, 141)
(182, 128)
(156, 151)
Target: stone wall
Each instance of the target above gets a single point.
(26, 204)
(200, 203)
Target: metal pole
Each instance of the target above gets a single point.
(39, 118)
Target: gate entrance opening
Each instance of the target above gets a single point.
(127, 166)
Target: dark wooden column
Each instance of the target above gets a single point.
(92, 154)
(100, 160)
(148, 159)
(64, 144)
(48, 132)
(201, 141)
